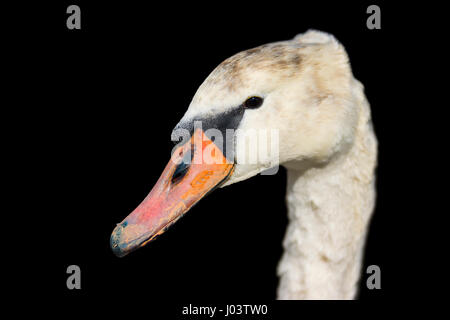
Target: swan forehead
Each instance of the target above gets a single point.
(255, 71)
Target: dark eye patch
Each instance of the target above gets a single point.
(222, 122)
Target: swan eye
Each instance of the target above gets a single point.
(253, 102)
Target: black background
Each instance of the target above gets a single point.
(104, 100)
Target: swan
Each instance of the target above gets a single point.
(303, 89)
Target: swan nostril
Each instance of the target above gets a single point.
(180, 172)
(183, 167)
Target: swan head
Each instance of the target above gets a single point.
(286, 103)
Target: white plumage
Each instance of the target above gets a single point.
(327, 144)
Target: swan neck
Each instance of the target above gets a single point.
(329, 209)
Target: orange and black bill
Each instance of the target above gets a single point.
(195, 169)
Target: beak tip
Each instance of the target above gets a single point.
(118, 252)
(115, 241)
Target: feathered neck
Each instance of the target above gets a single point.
(329, 208)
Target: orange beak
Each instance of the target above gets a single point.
(195, 169)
